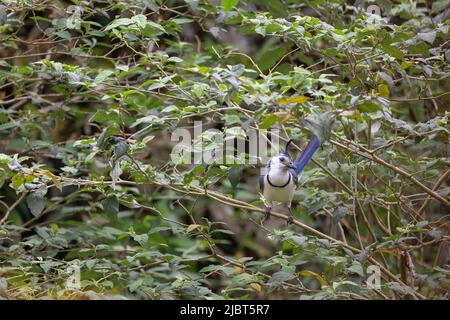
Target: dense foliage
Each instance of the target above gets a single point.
(91, 91)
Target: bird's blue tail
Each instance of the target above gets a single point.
(304, 156)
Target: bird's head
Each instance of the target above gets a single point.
(282, 161)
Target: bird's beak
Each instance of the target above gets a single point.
(291, 165)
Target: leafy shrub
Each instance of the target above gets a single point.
(91, 92)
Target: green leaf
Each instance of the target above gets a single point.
(269, 120)
(234, 176)
(357, 268)
(427, 36)
(17, 181)
(405, 65)
(309, 273)
(102, 76)
(214, 268)
(111, 206)
(279, 277)
(193, 227)
(135, 285)
(276, 7)
(270, 58)
(320, 125)
(439, 5)
(36, 201)
(175, 59)
(393, 52)
(181, 20)
(383, 90)
(8, 125)
(142, 239)
(156, 26)
(228, 5)
(54, 178)
(140, 20)
(296, 99)
(420, 48)
(119, 22)
(5, 173)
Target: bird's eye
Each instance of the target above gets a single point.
(282, 159)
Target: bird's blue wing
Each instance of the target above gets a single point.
(304, 156)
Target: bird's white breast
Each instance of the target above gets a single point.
(279, 194)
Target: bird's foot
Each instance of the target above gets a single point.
(266, 214)
(290, 219)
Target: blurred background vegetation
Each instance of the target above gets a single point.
(91, 91)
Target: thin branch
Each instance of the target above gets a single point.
(396, 169)
(436, 187)
(11, 208)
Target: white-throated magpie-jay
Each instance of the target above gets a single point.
(280, 181)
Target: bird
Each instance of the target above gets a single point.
(279, 183)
